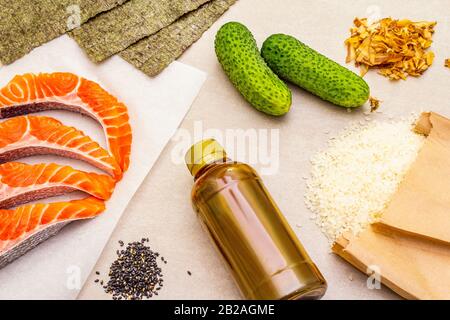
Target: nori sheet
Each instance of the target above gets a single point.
(115, 30)
(153, 54)
(25, 24)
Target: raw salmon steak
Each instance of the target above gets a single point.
(30, 135)
(23, 228)
(66, 91)
(21, 183)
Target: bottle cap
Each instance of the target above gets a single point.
(203, 153)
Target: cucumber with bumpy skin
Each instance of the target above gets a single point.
(241, 60)
(295, 62)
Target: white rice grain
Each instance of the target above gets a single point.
(354, 178)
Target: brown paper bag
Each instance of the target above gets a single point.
(410, 244)
(421, 205)
(414, 268)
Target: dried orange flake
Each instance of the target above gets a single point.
(398, 48)
(374, 104)
(447, 63)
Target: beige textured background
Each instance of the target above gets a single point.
(161, 209)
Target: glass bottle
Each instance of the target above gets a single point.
(262, 251)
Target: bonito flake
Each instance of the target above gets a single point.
(398, 48)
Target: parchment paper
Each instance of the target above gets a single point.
(58, 268)
(162, 209)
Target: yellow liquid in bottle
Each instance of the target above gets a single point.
(263, 253)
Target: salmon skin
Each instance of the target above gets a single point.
(30, 135)
(23, 228)
(21, 183)
(30, 93)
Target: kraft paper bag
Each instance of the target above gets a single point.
(421, 205)
(414, 268)
(410, 244)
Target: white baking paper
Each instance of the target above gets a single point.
(58, 268)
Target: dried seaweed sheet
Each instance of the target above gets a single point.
(25, 24)
(115, 30)
(153, 54)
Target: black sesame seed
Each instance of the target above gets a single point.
(189, 273)
(135, 274)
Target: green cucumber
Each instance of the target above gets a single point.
(295, 62)
(241, 60)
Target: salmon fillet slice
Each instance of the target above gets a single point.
(23, 228)
(21, 183)
(36, 135)
(30, 93)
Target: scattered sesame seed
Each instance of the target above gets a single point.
(135, 274)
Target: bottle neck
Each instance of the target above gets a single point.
(207, 167)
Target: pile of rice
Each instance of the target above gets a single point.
(354, 178)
